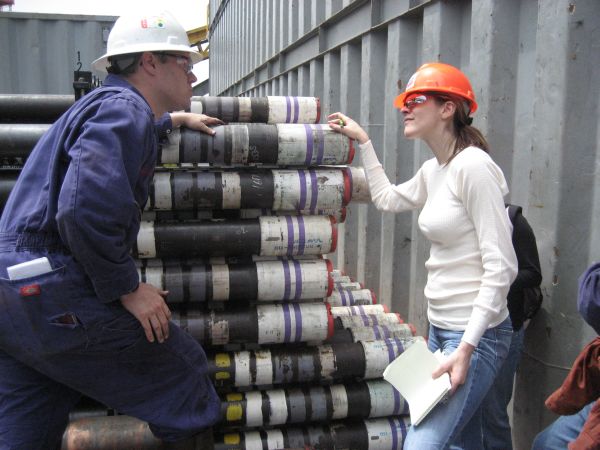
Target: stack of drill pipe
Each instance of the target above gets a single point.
(305, 145)
(369, 327)
(126, 433)
(261, 324)
(270, 109)
(373, 332)
(358, 310)
(239, 225)
(350, 297)
(196, 284)
(233, 214)
(265, 236)
(292, 405)
(281, 365)
(306, 191)
(368, 434)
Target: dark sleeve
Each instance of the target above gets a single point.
(163, 126)
(97, 212)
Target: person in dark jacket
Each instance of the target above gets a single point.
(75, 318)
(577, 400)
(495, 422)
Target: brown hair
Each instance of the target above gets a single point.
(466, 134)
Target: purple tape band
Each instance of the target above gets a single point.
(386, 331)
(399, 345)
(288, 108)
(309, 144)
(301, 235)
(365, 319)
(403, 425)
(394, 430)
(298, 273)
(351, 298)
(343, 296)
(321, 141)
(296, 108)
(287, 322)
(362, 310)
(390, 349)
(290, 230)
(397, 402)
(314, 191)
(298, 317)
(287, 283)
(376, 333)
(302, 180)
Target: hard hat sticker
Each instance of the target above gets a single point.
(411, 82)
(153, 22)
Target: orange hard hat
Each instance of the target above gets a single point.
(439, 77)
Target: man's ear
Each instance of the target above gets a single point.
(148, 62)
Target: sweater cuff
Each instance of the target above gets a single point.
(369, 158)
(473, 332)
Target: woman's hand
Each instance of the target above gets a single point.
(343, 124)
(456, 365)
(195, 121)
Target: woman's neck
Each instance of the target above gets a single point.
(442, 145)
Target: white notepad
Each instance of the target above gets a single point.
(410, 373)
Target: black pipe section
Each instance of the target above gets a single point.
(33, 108)
(18, 140)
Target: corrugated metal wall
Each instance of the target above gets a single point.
(39, 51)
(535, 66)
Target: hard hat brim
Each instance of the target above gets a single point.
(399, 100)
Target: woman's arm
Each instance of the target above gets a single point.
(385, 196)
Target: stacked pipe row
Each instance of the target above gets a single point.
(235, 229)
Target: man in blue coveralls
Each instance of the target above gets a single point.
(76, 320)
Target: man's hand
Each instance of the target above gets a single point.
(195, 121)
(148, 305)
(457, 365)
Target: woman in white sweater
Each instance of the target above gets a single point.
(472, 261)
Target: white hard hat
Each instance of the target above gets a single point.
(146, 33)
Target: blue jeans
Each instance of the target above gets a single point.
(456, 423)
(563, 430)
(496, 427)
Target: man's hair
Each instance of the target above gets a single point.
(126, 65)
